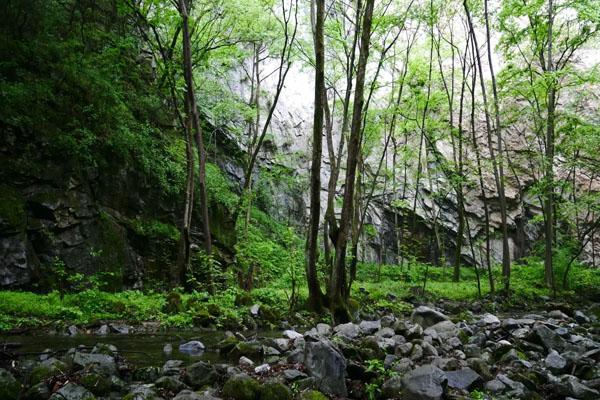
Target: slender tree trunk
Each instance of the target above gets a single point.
(195, 122)
(549, 159)
(337, 284)
(500, 181)
(314, 289)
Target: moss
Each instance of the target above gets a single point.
(270, 314)
(213, 309)
(12, 208)
(243, 299)
(241, 388)
(246, 349)
(112, 252)
(275, 391)
(155, 229)
(203, 318)
(95, 383)
(312, 395)
(9, 386)
(227, 344)
(174, 304)
(46, 370)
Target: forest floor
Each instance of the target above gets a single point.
(379, 289)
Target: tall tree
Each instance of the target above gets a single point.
(338, 291)
(314, 289)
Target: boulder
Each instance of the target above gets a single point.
(555, 362)
(72, 391)
(463, 379)
(170, 383)
(424, 383)
(327, 365)
(291, 334)
(200, 374)
(548, 338)
(189, 395)
(427, 317)
(369, 327)
(193, 347)
(275, 391)
(581, 391)
(101, 363)
(241, 387)
(292, 375)
(444, 330)
(392, 388)
(142, 392)
(349, 330)
(172, 367)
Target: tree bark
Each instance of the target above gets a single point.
(314, 289)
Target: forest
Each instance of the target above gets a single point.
(299, 199)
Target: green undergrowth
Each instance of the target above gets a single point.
(377, 289)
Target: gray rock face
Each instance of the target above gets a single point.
(427, 317)
(327, 365)
(72, 391)
(463, 379)
(424, 383)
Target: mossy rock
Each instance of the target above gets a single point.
(275, 391)
(9, 386)
(250, 350)
(12, 210)
(97, 384)
(45, 370)
(227, 344)
(174, 304)
(146, 374)
(241, 388)
(243, 299)
(312, 395)
(213, 309)
(270, 314)
(203, 318)
(464, 338)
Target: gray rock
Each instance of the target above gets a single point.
(102, 331)
(444, 330)
(121, 329)
(193, 347)
(245, 361)
(369, 327)
(489, 320)
(327, 365)
(463, 379)
(403, 366)
(581, 391)
(72, 330)
(262, 369)
(427, 317)
(142, 392)
(581, 318)
(557, 314)
(349, 330)
(170, 383)
(555, 362)
(424, 383)
(292, 375)
(391, 388)
(291, 334)
(517, 389)
(172, 367)
(385, 332)
(100, 363)
(254, 310)
(281, 344)
(72, 391)
(189, 395)
(548, 338)
(323, 329)
(200, 374)
(494, 386)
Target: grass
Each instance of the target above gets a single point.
(377, 288)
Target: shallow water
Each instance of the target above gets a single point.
(139, 349)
